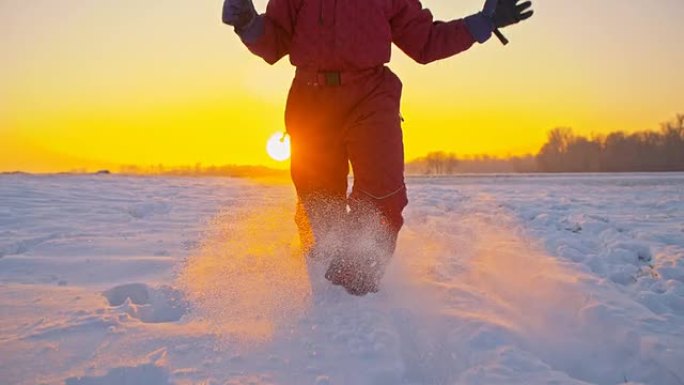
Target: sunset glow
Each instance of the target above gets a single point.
(87, 85)
(278, 147)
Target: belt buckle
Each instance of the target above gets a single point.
(332, 79)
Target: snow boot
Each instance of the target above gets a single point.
(358, 276)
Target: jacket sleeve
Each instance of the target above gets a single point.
(270, 34)
(425, 40)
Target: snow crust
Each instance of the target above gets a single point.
(537, 279)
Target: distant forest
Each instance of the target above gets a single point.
(566, 152)
(198, 170)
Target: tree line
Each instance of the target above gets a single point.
(236, 171)
(564, 151)
(616, 152)
(442, 163)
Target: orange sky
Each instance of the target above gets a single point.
(89, 84)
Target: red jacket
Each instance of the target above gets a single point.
(347, 35)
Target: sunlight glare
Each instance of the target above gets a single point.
(278, 146)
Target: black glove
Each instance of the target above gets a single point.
(238, 13)
(509, 12)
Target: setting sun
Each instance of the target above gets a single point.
(278, 147)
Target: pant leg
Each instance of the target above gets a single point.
(375, 147)
(319, 161)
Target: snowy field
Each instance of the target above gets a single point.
(110, 280)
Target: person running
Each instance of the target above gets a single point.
(343, 107)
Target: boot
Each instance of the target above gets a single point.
(359, 276)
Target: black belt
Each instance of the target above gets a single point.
(332, 78)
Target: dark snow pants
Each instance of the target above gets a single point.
(337, 119)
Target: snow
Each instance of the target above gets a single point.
(505, 279)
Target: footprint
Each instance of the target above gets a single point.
(147, 304)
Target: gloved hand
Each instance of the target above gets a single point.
(497, 14)
(239, 13)
(506, 12)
